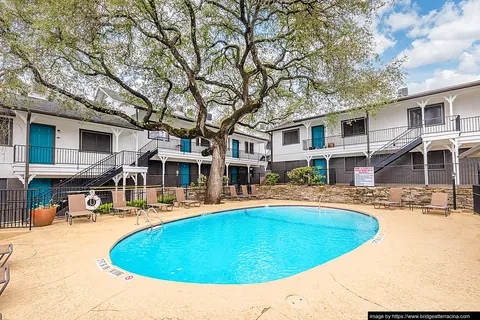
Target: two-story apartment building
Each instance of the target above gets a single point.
(421, 138)
(105, 149)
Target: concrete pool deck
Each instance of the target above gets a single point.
(424, 262)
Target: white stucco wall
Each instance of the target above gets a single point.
(466, 104)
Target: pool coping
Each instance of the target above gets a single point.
(143, 228)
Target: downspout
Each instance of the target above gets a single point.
(367, 125)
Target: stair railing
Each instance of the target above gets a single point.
(392, 146)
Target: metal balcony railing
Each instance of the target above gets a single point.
(435, 125)
(185, 147)
(50, 155)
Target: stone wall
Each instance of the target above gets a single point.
(363, 195)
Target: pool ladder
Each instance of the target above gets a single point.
(320, 199)
(147, 217)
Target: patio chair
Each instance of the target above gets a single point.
(233, 193)
(394, 200)
(120, 204)
(254, 192)
(78, 208)
(5, 250)
(181, 199)
(440, 202)
(245, 192)
(4, 278)
(152, 201)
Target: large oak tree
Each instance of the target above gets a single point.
(249, 62)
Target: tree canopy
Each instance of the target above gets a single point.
(246, 61)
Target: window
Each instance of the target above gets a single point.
(249, 147)
(352, 162)
(6, 129)
(353, 127)
(159, 135)
(291, 137)
(3, 184)
(436, 160)
(95, 141)
(203, 142)
(434, 115)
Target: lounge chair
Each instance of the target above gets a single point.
(120, 204)
(254, 192)
(78, 208)
(4, 278)
(440, 202)
(5, 250)
(245, 192)
(181, 199)
(152, 201)
(233, 193)
(394, 200)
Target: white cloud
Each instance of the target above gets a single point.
(442, 36)
(442, 78)
(401, 20)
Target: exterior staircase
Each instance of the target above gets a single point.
(99, 173)
(394, 149)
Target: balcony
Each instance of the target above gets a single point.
(55, 156)
(189, 147)
(430, 126)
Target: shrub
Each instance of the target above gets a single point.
(225, 180)
(167, 199)
(137, 203)
(202, 181)
(104, 208)
(306, 175)
(272, 178)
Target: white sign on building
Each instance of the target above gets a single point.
(364, 176)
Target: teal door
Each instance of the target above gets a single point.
(186, 145)
(184, 174)
(318, 137)
(41, 142)
(235, 145)
(42, 193)
(321, 168)
(234, 175)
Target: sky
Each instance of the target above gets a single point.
(439, 39)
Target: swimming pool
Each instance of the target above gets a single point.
(244, 246)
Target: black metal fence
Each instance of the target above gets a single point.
(15, 207)
(476, 199)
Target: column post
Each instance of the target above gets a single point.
(422, 105)
(227, 163)
(164, 160)
(327, 158)
(426, 148)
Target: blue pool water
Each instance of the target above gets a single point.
(244, 246)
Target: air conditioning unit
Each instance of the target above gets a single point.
(402, 92)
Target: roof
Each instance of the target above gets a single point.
(111, 93)
(115, 95)
(77, 112)
(295, 123)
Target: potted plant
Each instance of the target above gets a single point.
(43, 215)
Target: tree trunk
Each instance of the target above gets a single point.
(214, 190)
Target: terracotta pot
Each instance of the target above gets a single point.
(43, 217)
(331, 144)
